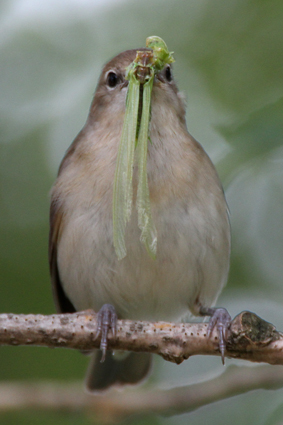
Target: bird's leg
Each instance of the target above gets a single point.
(219, 319)
(106, 320)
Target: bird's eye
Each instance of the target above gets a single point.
(112, 79)
(168, 73)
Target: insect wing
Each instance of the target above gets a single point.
(123, 191)
(145, 222)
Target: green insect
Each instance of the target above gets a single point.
(161, 54)
(135, 137)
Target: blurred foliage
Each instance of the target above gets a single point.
(35, 417)
(229, 64)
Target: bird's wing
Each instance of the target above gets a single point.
(62, 302)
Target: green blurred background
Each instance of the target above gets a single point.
(229, 64)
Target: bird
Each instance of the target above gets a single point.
(188, 207)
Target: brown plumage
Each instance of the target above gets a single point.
(188, 209)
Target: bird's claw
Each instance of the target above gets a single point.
(106, 320)
(220, 320)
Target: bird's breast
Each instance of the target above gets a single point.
(191, 255)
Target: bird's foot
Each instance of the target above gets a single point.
(106, 320)
(220, 320)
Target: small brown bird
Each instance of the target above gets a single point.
(188, 209)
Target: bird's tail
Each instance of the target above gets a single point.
(130, 369)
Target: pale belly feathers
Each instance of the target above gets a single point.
(191, 265)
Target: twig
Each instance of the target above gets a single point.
(250, 337)
(115, 405)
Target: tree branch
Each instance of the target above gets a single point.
(115, 405)
(250, 337)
